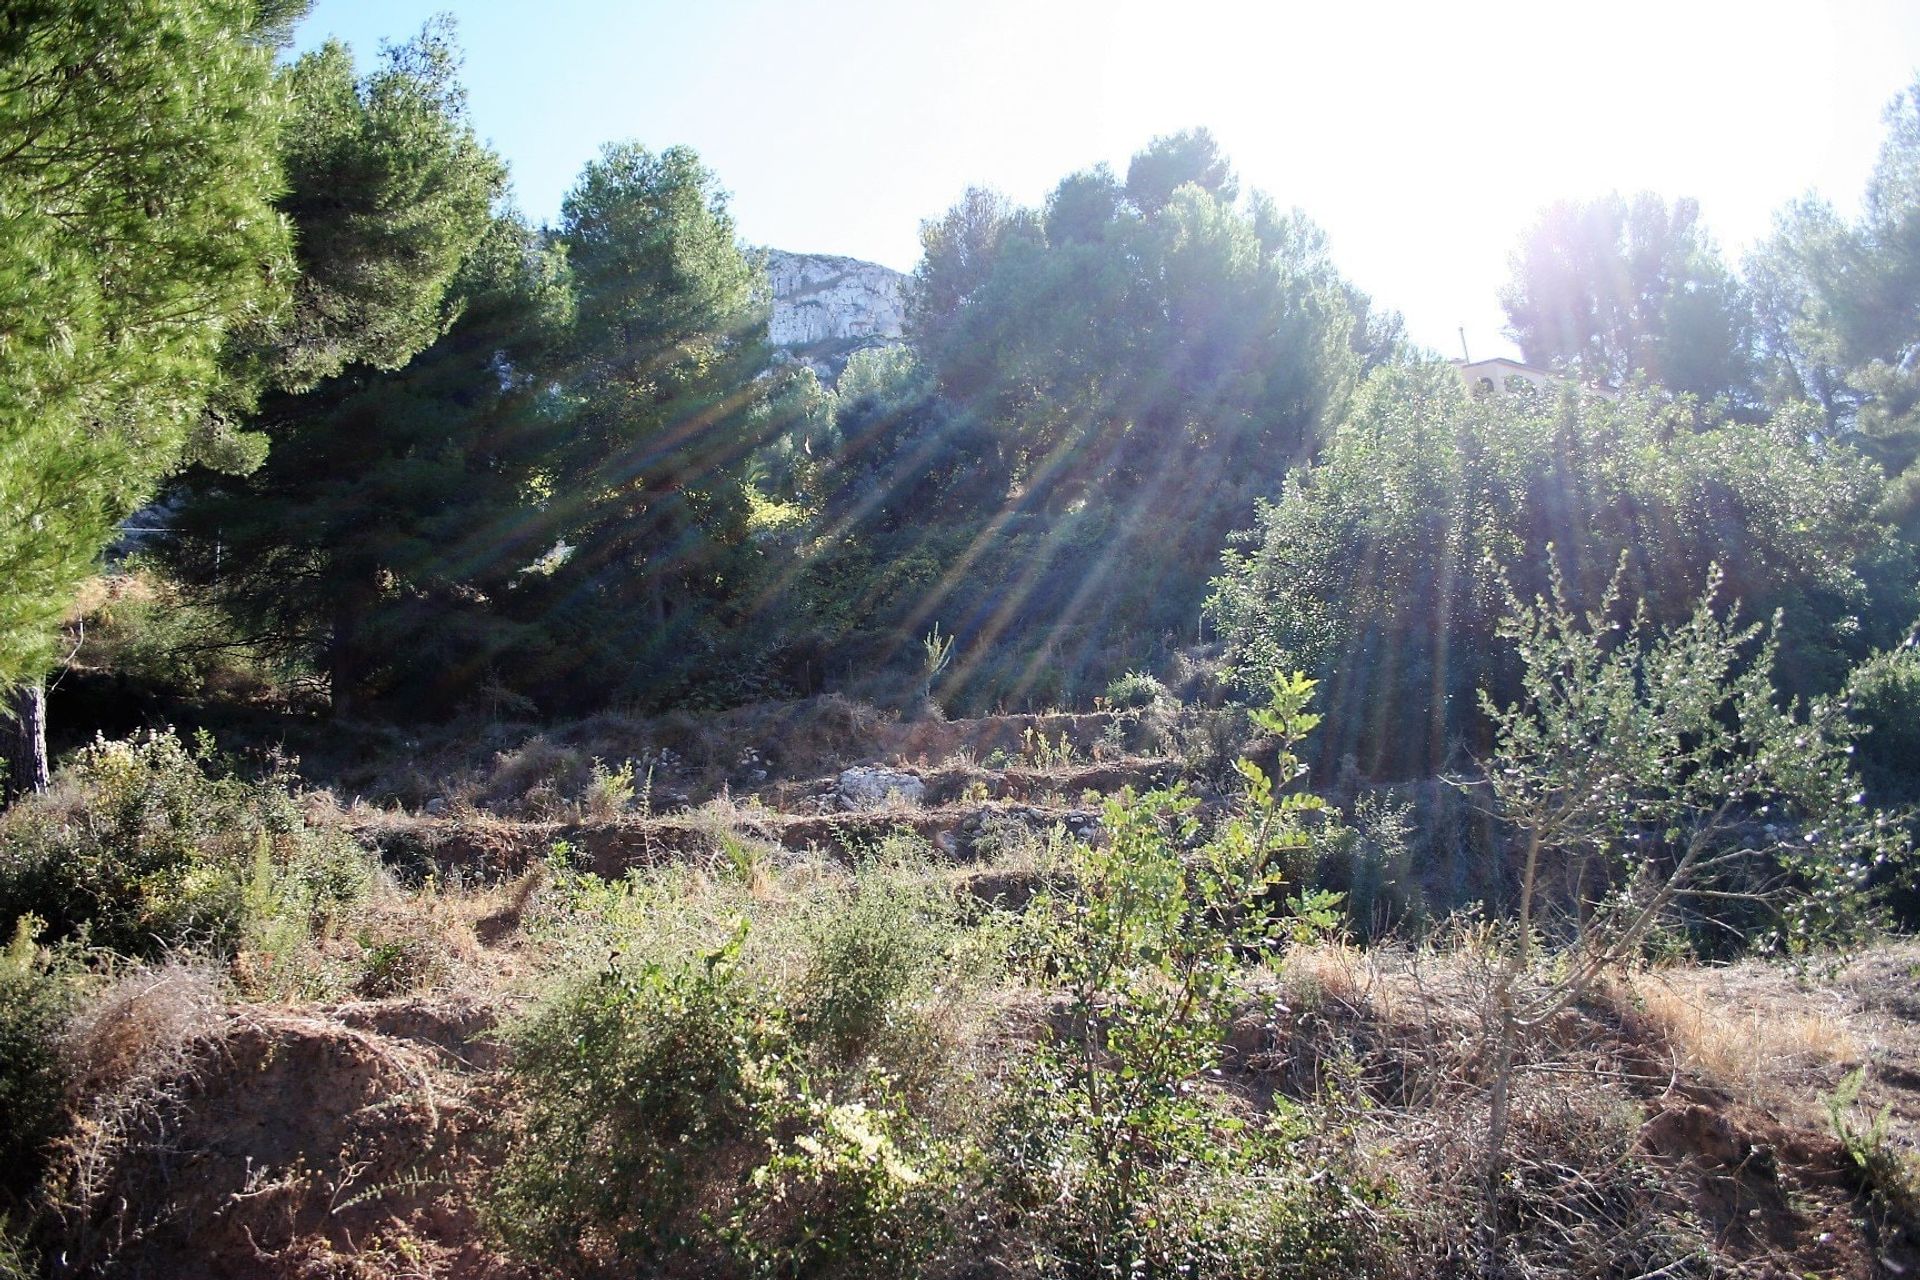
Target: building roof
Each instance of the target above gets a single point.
(1511, 364)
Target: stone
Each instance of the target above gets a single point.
(870, 788)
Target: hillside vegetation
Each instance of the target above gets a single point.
(1153, 776)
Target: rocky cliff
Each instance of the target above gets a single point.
(825, 308)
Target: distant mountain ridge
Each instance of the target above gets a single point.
(826, 307)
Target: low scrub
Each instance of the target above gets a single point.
(789, 1075)
(671, 1114)
(147, 846)
(1135, 689)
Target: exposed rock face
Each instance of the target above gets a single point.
(826, 308)
(869, 788)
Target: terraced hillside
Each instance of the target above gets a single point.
(370, 1089)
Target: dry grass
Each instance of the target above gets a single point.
(1390, 1039)
(538, 779)
(1329, 969)
(1748, 1050)
(129, 1050)
(1386, 1037)
(745, 843)
(142, 1024)
(107, 589)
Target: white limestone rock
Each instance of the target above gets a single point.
(870, 788)
(825, 307)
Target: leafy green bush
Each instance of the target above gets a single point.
(1658, 770)
(144, 846)
(865, 954)
(1373, 866)
(1114, 1149)
(1889, 1176)
(138, 626)
(17, 1259)
(671, 1116)
(632, 1081)
(394, 966)
(610, 792)
(857, 1188)
(1883, 696)
(1135, 689)
(1379, 568)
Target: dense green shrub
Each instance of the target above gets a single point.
(137, 628)
(1114, 1149)
(671, 1116)
(1658, 774)
(1135, 689)
(858, 1187)
(1380, 567)
(145, 846)
(1373, 866)
(16, 1255)
(633, 1080)
(33, 1007)
(867, 953)
(1883, 697)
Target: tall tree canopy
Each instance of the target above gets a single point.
(1150, 359)
(1125, 332)
(389, 190)
(1838, 307)
(372, 481)
(1614, 288)
(1174, 160)
(136, 232)
(666, 408)
(397, 508)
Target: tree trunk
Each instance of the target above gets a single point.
(23, 743)
(343, 674)
(1499, 1112)
(657, 599)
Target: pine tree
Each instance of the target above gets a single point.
(389, 191)
(137, 169)
(389, 195)
(397, 508)
(667, 404)
(1613, 289)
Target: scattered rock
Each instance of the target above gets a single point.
(1081, 824)
(870, 788)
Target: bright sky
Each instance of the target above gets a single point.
(1423, 136)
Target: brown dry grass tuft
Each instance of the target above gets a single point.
(143, 1024)
(130, 1050)
(537, 779)
(1329, 969)
(1747, 1050)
